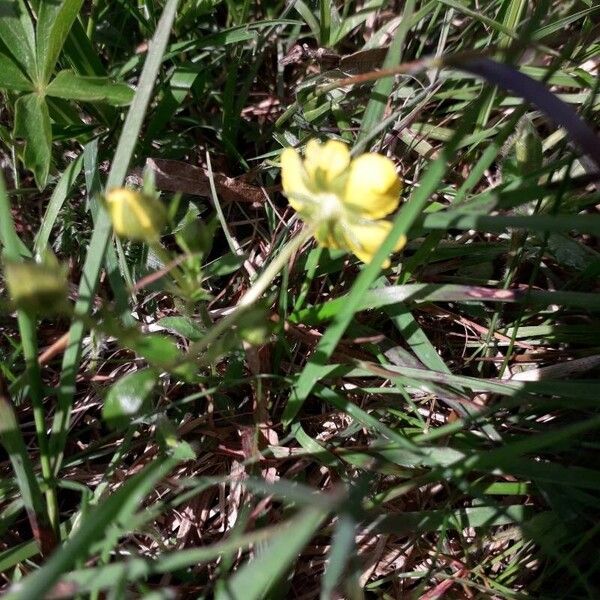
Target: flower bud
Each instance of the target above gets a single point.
(136, 216)
(528, 148)
(254, 327)
(39, 288)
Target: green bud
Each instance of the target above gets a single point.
(37, 287)
(528, 148)
(254, 327)
(257, 335)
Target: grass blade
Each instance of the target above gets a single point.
(104, 577)
(59, 195)
(343, 547)
(254, 579)
(476, 516)
(537, 94)
(12, 440)
(118, 507)
(383, 88)
(102, 230)
(430, 292)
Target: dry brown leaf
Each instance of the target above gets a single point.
(178, 176)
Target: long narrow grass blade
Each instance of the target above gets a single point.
(120, 506)
(12, 440)
(253, 580)
(446, 292)
(383, 88)
(102, 577)
(537, 94)
(59, 195)
(102, 230)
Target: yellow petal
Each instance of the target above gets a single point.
(324, 163)
(373, 186)
(293, 178)
(364, 239)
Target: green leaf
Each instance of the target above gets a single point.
(71, 86)
(342, 549)
(570, 253)
(352, 21)
(537, 94)
(11, 439)
(32, 124)
(224, 265)
(11, 76)
(80, 53)
(183, 326)
(476, 516)
(12, 245)
(129, 397)
(135, 569)
(308, 16)
(158, 349)
(462, 219)
(431, 292)
(255, 578)
(16, 31)
(55, 19)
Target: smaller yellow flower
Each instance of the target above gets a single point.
(345, 199)
(134, 215)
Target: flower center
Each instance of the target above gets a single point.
(330, 207)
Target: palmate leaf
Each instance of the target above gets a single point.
(11, 76)
(55, 19)
(16, 32)
(32, 124)
(25, 54)
(71, 86)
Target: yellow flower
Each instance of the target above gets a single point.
(344, 199)
(134, 215)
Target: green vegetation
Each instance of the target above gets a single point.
(210, 404)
